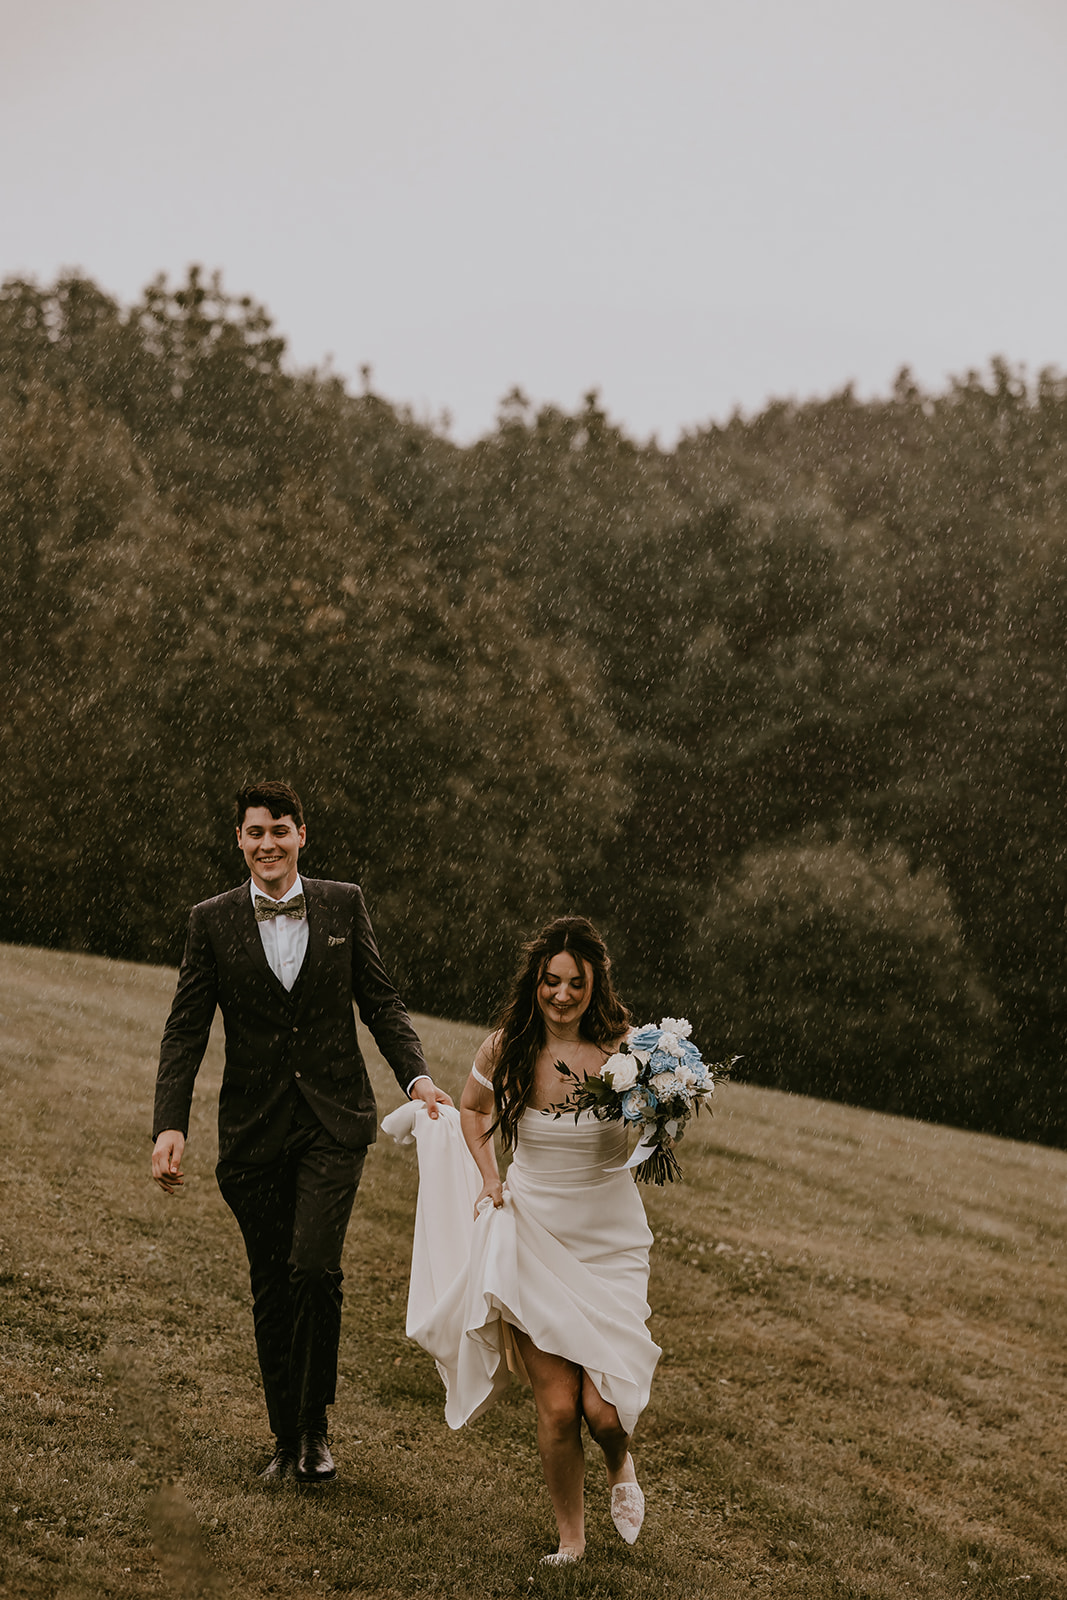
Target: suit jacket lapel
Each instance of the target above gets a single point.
(245, 921)
(318, 933)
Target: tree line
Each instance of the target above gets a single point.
(782, 708)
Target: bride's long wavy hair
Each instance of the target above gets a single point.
(521, 1027)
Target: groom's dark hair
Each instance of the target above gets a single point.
(280, 799)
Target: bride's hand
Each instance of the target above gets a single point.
(492, 1189)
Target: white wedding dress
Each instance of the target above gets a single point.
(565, 1259)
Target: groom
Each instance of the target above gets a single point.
(283, 957)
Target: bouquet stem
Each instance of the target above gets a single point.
(660, 1167)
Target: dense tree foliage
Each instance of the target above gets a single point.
(782, 707)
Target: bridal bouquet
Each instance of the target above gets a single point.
(656, 1081)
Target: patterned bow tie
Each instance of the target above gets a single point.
(266, 909)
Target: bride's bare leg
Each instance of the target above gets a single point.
(557, 1387)
(609, 1433)
(627, 1500)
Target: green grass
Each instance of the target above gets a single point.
(862, 1389)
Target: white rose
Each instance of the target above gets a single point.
(620, 1071)
(664, 1086)
(677, 1025)
(670, 1044)
(685, 1075)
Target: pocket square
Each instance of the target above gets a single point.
(334, 938)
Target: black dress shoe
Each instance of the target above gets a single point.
(282, 1464)
(314, 1463)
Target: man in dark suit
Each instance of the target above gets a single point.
(283, 958)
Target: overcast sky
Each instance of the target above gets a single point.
(688, 204)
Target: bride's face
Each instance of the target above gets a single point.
(565, 990)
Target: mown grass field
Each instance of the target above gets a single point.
(863, 1389)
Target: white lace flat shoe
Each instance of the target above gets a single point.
(561, 1558)
(628, 1510)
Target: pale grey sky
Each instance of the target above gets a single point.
(689, 204)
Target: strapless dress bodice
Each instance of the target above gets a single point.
(565, 1152)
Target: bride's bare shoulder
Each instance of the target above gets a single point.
(488, 1051)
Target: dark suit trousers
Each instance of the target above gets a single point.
(293, 1213)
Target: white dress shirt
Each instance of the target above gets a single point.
(284, 939)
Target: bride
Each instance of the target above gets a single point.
(555, 1281)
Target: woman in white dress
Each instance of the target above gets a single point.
(563, 1286)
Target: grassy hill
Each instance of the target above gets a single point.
(862, 1390)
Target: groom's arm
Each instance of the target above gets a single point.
(385, 1014)
(182, 1050)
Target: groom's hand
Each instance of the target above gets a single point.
(167, 1160)
(426, 1090)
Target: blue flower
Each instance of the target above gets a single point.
(637, 1104)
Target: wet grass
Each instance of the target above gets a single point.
(861, 1395)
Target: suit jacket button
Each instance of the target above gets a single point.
(296, 1074)
(296, 1030)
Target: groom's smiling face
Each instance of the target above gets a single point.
(271, 848)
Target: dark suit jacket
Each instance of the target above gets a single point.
(277, 1039)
